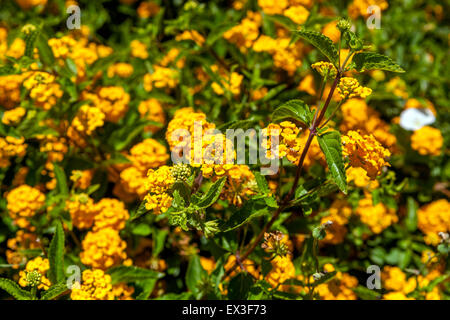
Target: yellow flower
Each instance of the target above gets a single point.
(427, 141)
(231, 82)
(158, 184)
(28, 4)
(434, 218)
(339, 213)
(365, 152)
(377, 217)
(103, 249)
(359, 7)
(350, 88)
(39, 264)
(298, 14)
(43, 89)
(112, 101)
(273, 6)
(151, 109)
(147, 9)
(138, 49)
(161, 78)
(96, 285)
(11, 147)
(110, 213)
(120, 69)
(338, 288)
(13, 116)
(282, 269)
(191, 35)
(325, 69)
(81, 209)
(148, 154)
(23, 203)
(289, 144)
(245, 33)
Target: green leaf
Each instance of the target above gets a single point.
(147, 288)
(54, 291)
(45, 52)
(194, 274)
(139, 211)
(251, 209)
(370, 60)
(262, 182)
(142, 229)
(56, 255)
(293, 109)
(366, 293)
(411, 214)
(330, 143)
(14, 290)
(319, 233)
(30, 42)
(239, 287)
(212, 195)
(326, 277)
(159, 239)
(130, 274)
(324, 44)
(61, 179)
(218, 31)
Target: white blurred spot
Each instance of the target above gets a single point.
(413, 119)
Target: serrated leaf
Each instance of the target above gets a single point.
(324, 44)
(139, 211)
(330, 143)
(130, 274)
(374, 61)
(293, 109)
(212, 195)
(56, 255)
(250, 210)
(14, 290)
(54, 291)
(261, 182)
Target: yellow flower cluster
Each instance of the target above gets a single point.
(11, 147)
(120, 69)
(282, 269)
(230, 82)
(350, 88)
(88, 118)
(377, 217)
(161, 78)
(12, 117)
(151, 109)
(103, 249)
(55, 147)
(18, 245)
(171, 56)
(81, 209)
(249, 265)
(427, 141)
(289, 144)
(110, 213)
(10, 90)
(23, 203)
(434, 218)
(240, 184)
(138, 49)
(244, 34)
(147, 9)
(158, 183)
(398, 87)
(325, 69)
(357, 115)
(112, 101)
(360, 178)
(359, 7)
(339, 213)
(191, 35)
(40, 265)
(399, 286)
(81, 51)
(43, 89)
(338, 288)
(145, 155)
(365, 152)
(298, 14)
(285, 55)
(82, 178)
(184, 119)
(96, 285)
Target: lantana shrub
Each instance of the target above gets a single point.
(251, 149)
